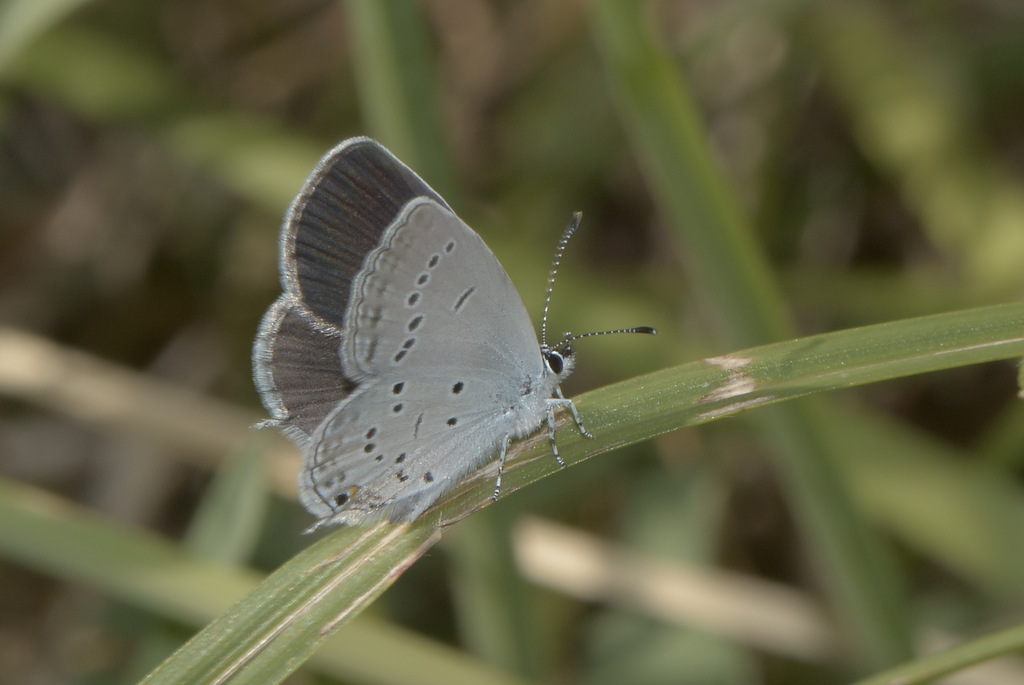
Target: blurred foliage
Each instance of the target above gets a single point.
(148, 151)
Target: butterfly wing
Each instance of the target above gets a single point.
(447, 361)
(356, 191)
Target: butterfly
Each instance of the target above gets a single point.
(400, 356)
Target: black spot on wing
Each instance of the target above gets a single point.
(463, 298)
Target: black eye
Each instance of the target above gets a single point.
(554, 361)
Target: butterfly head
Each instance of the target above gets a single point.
(558, 360)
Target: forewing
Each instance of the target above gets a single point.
(354, 195)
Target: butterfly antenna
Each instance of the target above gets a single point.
(569, 337)
(559, 251)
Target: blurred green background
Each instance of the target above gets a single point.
(873, 149)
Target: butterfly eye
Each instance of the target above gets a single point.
(553, 359)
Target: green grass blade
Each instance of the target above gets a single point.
(226, 525)
(139, 568)
(280, 623)
(930, 668)
(669, 138)
(60, 539)
(397, 87)
(714, 388)
(701, 391)
(277, 627)
(739, 294)
(953, 509)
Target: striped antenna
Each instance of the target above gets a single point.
(559, 251)
(569, 337)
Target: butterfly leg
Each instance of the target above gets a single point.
(501, 466)
(562, 402)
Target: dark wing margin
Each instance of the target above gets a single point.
(297, 369)
(356, 191)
